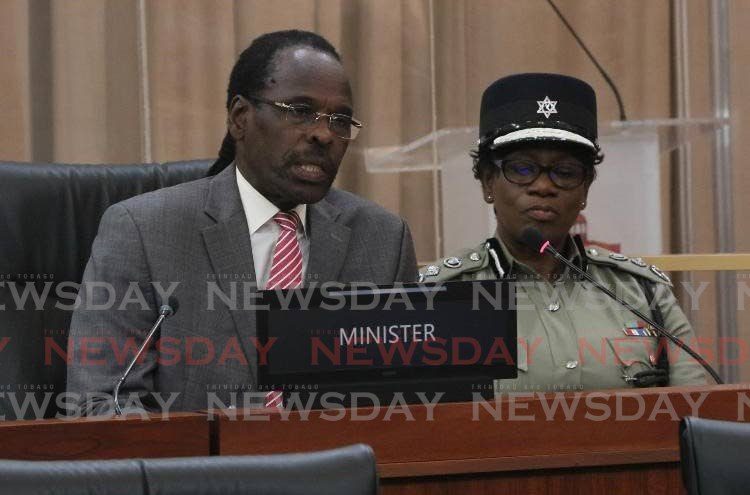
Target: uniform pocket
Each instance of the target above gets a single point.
(634, 354)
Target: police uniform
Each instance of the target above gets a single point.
(572, 336)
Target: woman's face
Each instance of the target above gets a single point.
(540, 204)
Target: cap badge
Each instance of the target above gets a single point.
(547, 106)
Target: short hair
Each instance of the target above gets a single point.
(484, 167)
(252, 69)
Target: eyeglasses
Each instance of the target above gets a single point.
(524, 172)
(303, 115)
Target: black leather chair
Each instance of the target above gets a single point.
(715, 456)
(49, 216)
(348, 470)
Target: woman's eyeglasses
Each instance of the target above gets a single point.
(524, 172)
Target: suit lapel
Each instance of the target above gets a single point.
(230, 251)
(329, 243)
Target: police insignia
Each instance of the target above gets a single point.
(639, 262)
(618, 257)
(659, 273)
(474, 256)
(432, 270)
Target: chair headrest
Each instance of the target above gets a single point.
(50, 212)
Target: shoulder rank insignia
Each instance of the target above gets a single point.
(474, 256)
(659, 273)
(592, 252)
(432, 270)
(639, 262)
(452, 262)
(618, 257)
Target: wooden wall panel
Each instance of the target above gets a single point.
(740, 52)
(15, 124)
(94, 114)
(190, 54)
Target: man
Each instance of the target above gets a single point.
(268, 219)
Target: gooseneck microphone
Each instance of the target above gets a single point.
(532, 238)
(165, 311)
(596, 63)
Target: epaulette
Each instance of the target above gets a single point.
(637, 266)
(464, 261)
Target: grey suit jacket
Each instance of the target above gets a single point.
(193, 240)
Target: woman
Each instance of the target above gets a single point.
(536, 160)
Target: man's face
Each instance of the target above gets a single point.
(292, 164)
(540, 204)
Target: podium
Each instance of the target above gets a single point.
(623, 441)
(177, 435)
(576, 442)
(624, 202)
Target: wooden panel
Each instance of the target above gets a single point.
(95, 113)
(255, 17)
(528, 432)
(181, 435)
(190, 55)
(654, 480)
(14, 79)
(700, 262)
(739, 17)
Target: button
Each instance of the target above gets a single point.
(571, 365)
(554, 306)
(452, 262)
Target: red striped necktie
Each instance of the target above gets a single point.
(286, 271)
(286, 267)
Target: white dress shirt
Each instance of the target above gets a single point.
(264, 231)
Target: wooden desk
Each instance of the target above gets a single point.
(596, 442)
(614, 442)
(182, 434)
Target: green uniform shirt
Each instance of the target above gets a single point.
(571, 336)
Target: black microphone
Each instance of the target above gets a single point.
(592, 58)
(165, 311)
(532, 238)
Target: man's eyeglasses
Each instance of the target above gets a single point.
(303, 115)
(524, 172)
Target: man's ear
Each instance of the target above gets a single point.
(237, 117)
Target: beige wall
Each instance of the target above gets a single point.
(84, 81)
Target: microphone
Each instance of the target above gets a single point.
(165, 311)
(598, 66)
(532, 238)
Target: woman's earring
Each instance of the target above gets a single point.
(583, 205)
(490, 198)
